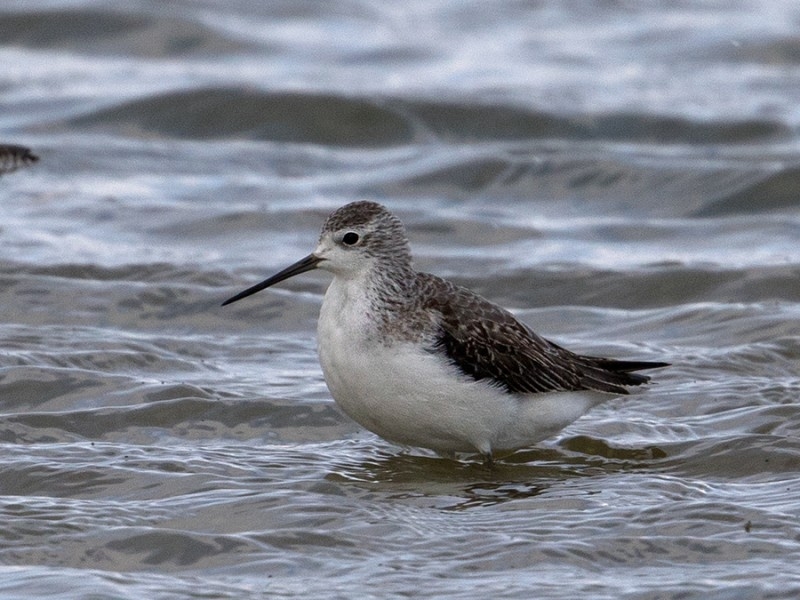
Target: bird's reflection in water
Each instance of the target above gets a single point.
(465, 484)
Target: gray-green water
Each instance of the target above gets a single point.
(624, 176)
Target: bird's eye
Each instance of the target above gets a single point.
(350, 238)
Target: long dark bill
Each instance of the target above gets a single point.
(301, 266)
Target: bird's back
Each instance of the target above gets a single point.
(485, 341)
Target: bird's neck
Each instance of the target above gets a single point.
(390, 284)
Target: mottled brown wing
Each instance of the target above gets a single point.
(487, 342)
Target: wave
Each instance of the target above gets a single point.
(340, 120)
(114, 32)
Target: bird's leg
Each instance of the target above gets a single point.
(488, 461)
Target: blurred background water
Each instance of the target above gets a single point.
(624, 176)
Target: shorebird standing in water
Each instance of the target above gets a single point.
(423, 362)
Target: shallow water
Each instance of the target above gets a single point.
(623, 177)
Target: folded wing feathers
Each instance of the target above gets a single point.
(499, 348)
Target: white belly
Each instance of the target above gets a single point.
(417, 398)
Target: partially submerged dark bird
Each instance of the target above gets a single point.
(13, 157)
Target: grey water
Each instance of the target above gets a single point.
(624, 176)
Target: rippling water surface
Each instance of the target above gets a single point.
(624, 176)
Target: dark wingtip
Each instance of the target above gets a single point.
(615, 374)
(629, 366)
